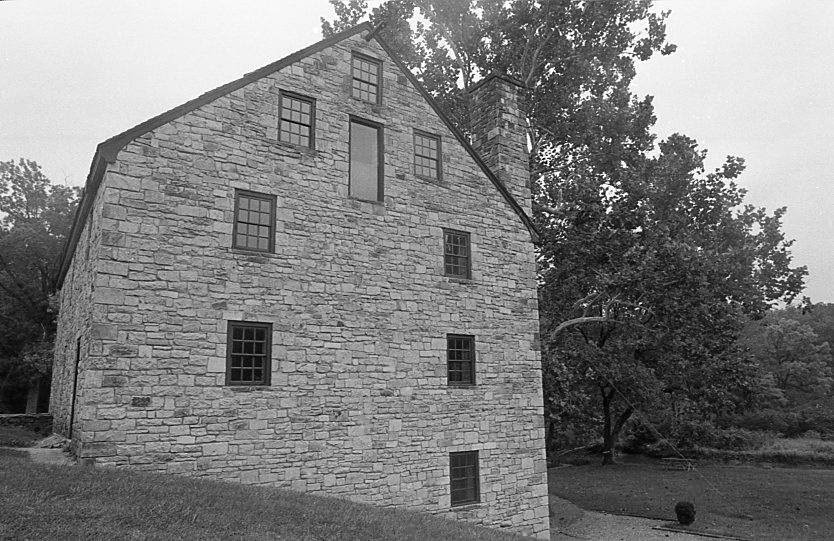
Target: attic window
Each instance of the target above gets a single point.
(366, 160)
(298, 119)
(367, 72)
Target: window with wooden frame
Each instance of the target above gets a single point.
(366, 160)
(457, 254)
(254, 227)
(427, 155)
(248, 351)
(464, 481)
(298, 119)
(460, 359)
(367, 74)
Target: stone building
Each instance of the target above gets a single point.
(308, 278)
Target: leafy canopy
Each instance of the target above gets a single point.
(36, 218)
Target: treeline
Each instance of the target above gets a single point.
(36, 218)
(784, 387)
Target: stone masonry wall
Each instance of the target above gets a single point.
(499, 136)
(74, 323)
(358, 405)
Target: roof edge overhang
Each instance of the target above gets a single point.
(107, 151)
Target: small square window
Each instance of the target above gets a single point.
(298, 119)
(456, 254)
(460, 359)
(464, 482)
(248, 352)
(427, 155)
(367, 73)
(254, 227)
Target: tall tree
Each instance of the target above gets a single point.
(36, 220)
(648, 265)
(792, 354)
(647, 281)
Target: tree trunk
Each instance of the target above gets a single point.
(607, 435)
(32, 396)
(611, 432)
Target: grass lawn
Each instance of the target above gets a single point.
(743, 501)
(49, 502)
(806, 451)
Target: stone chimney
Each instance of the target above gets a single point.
(498, 133)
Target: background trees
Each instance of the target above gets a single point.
(649, 265)
(36, 218)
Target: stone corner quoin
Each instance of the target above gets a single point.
(353, 299)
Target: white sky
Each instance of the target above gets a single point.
(750, 78)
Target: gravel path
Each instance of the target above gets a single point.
(605, 527)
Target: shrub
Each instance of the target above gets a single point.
(636, 437)
(692, 434)
(792, 424)
(685, 512)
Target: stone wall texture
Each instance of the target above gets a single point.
(75, 324)
(359, 405)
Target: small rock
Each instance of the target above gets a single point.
(55, 441)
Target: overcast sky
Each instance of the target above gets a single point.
(750, 78)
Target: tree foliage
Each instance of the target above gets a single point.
(799, 365)
(36, 218)
(649, 265)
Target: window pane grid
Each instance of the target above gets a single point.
(365, 79)
(456, 253)
(426, 155)
(296, 120)
(253, 225)
(248, 357)
(460, 359)
(463, 477)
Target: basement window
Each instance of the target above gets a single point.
(254, 227)
(460, 359)
(464, 482)
(248, 351)
(366, 73)
(298, 119)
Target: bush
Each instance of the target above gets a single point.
(791, 424)
(637, 436)
(685, 512)
(687, 435)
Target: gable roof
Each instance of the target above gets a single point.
(107, 151)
